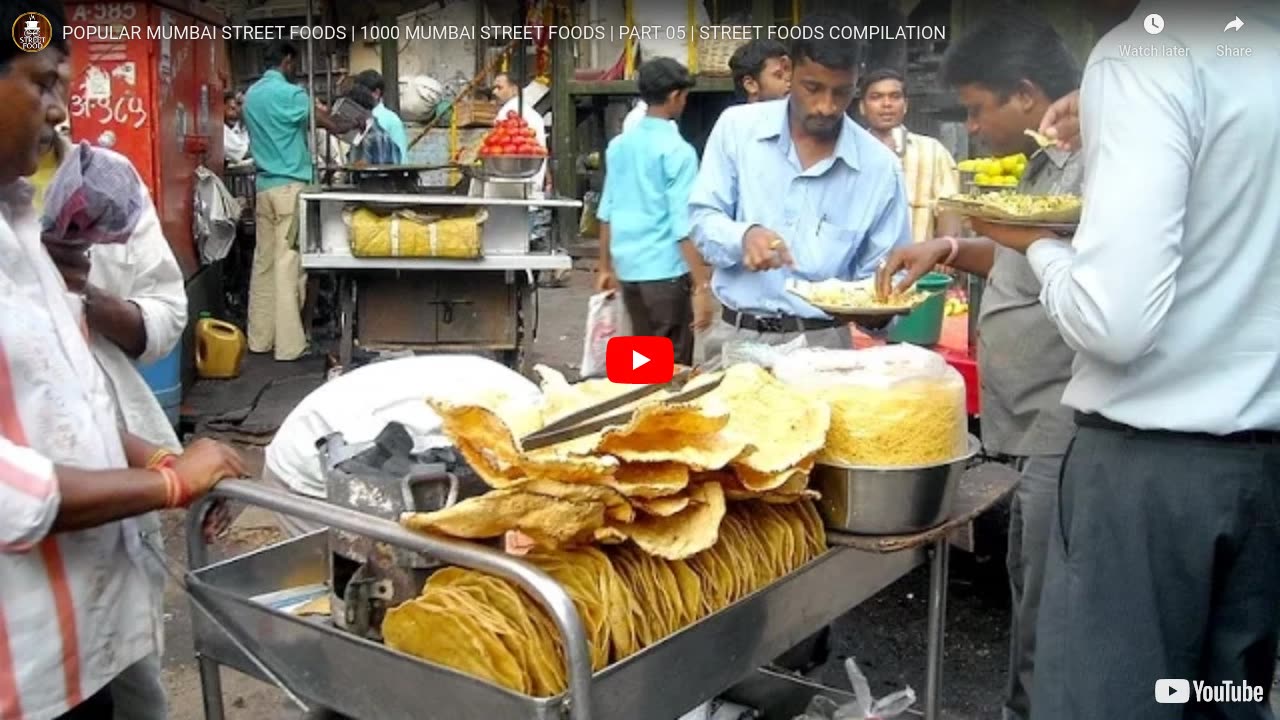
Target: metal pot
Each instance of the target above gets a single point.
(888, 501)
(511, 166)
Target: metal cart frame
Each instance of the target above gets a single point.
(718, 652)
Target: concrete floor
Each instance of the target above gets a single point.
(886, 634)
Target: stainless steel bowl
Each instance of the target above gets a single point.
(510, 166)
(889, 501)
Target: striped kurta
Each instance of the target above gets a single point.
(76, 608)
(930, 173)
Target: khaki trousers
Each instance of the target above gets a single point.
(276, 286)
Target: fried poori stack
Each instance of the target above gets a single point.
(627, 598)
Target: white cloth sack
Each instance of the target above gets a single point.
(360, 403)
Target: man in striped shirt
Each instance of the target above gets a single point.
(76, 607)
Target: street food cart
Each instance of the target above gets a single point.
(328, 659)
(486, 304)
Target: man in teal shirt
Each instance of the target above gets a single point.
(277, 115)
(644, 235)
(386, 117)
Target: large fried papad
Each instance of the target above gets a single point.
(490, 446)
(686, 533)
(780, 426)
(550, 521)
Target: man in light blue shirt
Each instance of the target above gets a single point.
(645, 248)
(386, 117)
(794, 188)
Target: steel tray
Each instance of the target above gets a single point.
(369, 681)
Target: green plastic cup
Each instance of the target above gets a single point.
(923, 326)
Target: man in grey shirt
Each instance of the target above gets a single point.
(1007, 71)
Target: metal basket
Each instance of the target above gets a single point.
(511, 166)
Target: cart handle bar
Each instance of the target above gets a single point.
(538, 584)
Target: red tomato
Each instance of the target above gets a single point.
(530, 132)
(512, 114)
(508, 149)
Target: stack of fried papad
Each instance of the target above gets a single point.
(628, 599)
(660, 480)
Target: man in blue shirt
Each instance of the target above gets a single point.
(372, 145)
(644, 216)
(794, 188)
(386, 117)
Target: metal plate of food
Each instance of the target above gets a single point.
(1060, 228)
(1019, 207)
(854, 299)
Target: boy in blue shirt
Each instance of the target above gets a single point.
(645, 248)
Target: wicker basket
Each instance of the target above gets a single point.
(714, 54)
(476, 113)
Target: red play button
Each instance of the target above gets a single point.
(640, 360)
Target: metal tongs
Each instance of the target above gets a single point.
(599, 416)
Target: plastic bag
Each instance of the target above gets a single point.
(864, 707)
(604, 321)
(892, 406)
(762, 354)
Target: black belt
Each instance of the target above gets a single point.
(1244, 437)
(776, 324)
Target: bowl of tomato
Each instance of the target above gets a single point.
(511, 149)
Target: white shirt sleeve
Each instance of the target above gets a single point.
(1110, 294)
(157, 288)
(29, 495)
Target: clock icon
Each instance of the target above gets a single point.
(1153, 24)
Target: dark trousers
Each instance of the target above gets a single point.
(663, 308)
(98, 707)
(1162, 564)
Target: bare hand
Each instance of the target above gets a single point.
(915, 260)
(205, 463)
(703, 309)
(1062, 122)
(763, 249)
(1010, 236)
(74, 262)
(606, 281)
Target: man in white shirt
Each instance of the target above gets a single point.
(361, 403)
(1164, 555)
(235, 139)
(136, 308)
(77, 607)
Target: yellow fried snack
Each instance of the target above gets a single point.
(840, 296)
(550, 521)
(697, 452)
(782, 427)
(448, 633)
(650, 480)
(662, 507)
(686, 533)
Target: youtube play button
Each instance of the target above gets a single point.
(640, 360)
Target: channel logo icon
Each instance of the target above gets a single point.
(1173, 692)
(640, 360)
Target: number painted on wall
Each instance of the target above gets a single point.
(128, 110)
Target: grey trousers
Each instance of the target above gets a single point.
(138, 692)
(1030, 520)
(1162, 564)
